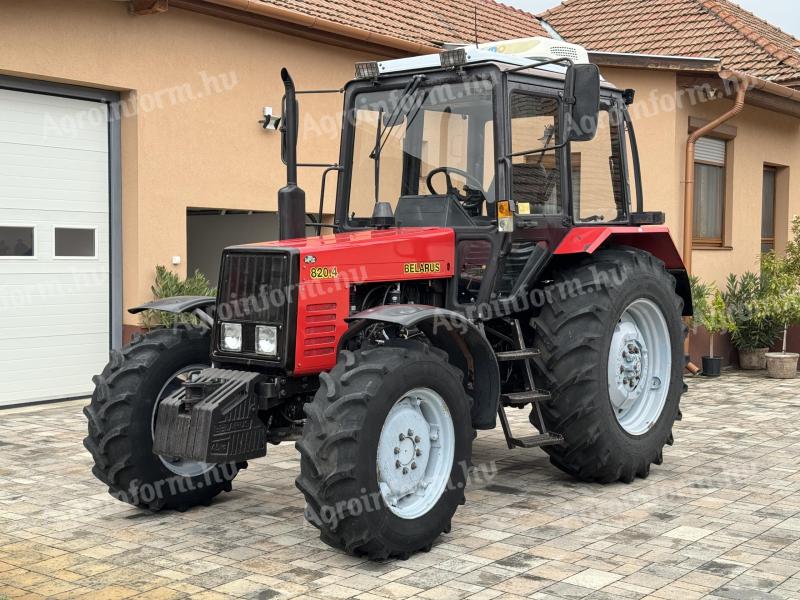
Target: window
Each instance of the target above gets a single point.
(768, 210)
(17, 242)
(535, 177)
(709, 191)
(74, 243)
(598, 188)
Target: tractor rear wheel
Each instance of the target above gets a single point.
(611, 341)
(385, 450)
(122, 415)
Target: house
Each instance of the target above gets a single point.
(130, 137)
(687, 59)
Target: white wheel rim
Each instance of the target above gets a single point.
(184, 468)
(639, 366)
(415, 453)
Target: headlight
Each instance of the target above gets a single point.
(232, 337)
(267, 340)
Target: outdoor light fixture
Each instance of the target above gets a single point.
(367, 70)
(267, 340)
(231, 337)
(451, 59)
(270, 121)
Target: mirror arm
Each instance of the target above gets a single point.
(537, 151)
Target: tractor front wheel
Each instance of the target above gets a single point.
(385, 450)
(611, 341)
(122, 415)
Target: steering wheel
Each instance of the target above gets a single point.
(472, 201)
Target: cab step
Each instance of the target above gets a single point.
(537, 441)
(523, 354)
(524, 398)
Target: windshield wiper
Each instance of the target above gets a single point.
(382, 134)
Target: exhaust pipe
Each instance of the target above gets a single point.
(291, 198)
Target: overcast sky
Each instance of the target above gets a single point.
(781, 13)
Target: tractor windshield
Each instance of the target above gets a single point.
(422, 140)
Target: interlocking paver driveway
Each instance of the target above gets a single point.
(720, 518)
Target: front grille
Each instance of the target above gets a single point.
(255, 287)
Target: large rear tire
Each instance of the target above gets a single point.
(611, 338)
(385, 450)
(121, 417)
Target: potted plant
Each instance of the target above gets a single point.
(755, 331)
(783, 302)
(168, 284)
(710, 312)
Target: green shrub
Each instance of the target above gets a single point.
(168, 284)
(782, 302)
(744, 296)
(710, 310)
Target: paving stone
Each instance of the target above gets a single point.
(718, 519)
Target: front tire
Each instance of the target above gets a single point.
(611, 341)
(385, 450)
(121, 417)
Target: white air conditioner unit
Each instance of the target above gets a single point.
(538, 48)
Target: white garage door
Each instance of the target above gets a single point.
(54, 246)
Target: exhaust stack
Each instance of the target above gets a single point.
(291, 198)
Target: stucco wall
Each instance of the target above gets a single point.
(661, 118)
(194, 88)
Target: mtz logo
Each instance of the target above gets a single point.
(310, 259)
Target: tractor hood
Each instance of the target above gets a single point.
(372, 255)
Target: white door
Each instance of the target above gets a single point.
(54, 246)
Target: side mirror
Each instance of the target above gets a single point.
(582, 95)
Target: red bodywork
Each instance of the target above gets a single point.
(360, 257)
(330, 263)
(654, 239)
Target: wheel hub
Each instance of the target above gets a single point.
(414, 459)
(636, 376)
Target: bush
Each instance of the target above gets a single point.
(744, 296)
(167, 285)
(710, 310)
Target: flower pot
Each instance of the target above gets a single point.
(753, 359)
(712, 366)
(782, 365)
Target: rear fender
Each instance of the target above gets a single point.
(465, 345)
(654, 239)
(199, 306)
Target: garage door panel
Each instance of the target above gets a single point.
(54, 311)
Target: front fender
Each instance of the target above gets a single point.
(180, 304)
(465, 345)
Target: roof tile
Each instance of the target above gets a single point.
(709, 28)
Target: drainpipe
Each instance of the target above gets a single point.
(688, 194)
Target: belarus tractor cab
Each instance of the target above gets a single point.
(489, 251)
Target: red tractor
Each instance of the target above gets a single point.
(489, 251)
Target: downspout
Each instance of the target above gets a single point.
(688, 194)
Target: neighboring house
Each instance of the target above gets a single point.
(129, 137)
(686, 58)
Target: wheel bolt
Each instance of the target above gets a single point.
(410, 433)
(397, 464)
(402, 436)
(413, 465)
(418, 452)
(405, 471)
(417, 439)
(396, 450)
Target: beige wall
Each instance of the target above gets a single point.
(201, 84)
(763, 137)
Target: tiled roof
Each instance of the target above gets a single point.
(709, 28)
(424, 22)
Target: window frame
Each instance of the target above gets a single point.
(94, 228)
(770, 241)
(35, 235)
(708, 242)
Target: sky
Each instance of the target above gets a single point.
(781, 13)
